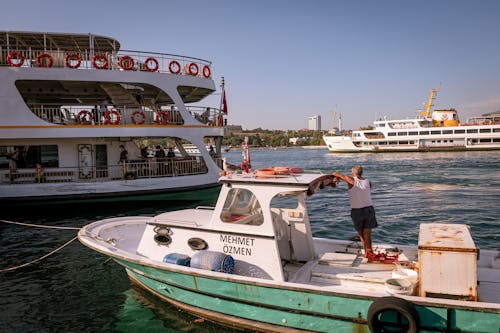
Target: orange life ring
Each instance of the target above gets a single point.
(265, 172)
(70, 57)
(126, 62)
(108, 117)
(134, 119)
(82, 117)
(176, 69)
(16, 55)
(206, 72)
(47, 56)
(155, 64)
(162, 117)
(192, 69)
(100, 58)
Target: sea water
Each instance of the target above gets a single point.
(78, 290)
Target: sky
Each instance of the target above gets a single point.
(284, 61)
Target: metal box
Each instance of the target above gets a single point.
(448, 262)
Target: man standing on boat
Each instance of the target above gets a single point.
(362, 211)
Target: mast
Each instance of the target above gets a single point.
(427, 111)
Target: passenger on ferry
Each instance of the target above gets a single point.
(212, 152)
(160, 159)
(362, 211)
(39, 176)
(170, 153)
(123, 159)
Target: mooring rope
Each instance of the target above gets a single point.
(46, 255)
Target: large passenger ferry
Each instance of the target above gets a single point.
(440, 131)
(81, 118)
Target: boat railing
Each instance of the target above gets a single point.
(131, 170)
(124, 115)
(123, 60)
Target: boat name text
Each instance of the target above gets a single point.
(237, 245)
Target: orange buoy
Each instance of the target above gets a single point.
(192, 69)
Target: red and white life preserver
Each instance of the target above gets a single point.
(126, 63)
(155, 64)
(206, 72)
(109, 115)
(15, 55)
(162, 117)
(191, 69)
(174, 67)
(72, 57)
(82, 117)
(138, 121)
(41, 63)
(102, 59)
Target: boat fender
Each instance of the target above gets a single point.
(126, 63)
(41, 63)
(154, 66)
(407, 319)
(192, 69)
(206, 72)
(70, 57)
(141, 119)
(162, 118)
(109, 115)
(15, 55)
(84, 117)
(100, 61)
(174, 67)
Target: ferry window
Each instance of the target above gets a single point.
(393, 142)
(459, 131)
(403, 142)
(496, 140)
(472, 131)
(29, 156)
(485, 130)
(485, 140)
(435, 132)
(402, 133)
(496, 130)
(381, 125)
(412, 133)
(424, 132)
(392, 134)
(242, 207)
(447, 132)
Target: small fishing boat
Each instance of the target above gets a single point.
(252, 262)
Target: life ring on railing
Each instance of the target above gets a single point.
(41, 63)
(109, 115)
(174, 67)
(70, 57)
(16, 55)
(82, 117)
(162, 117)
(265, 172)
(134, 118)
(126, 62)
(401, 307)
(206, 72)
(100, 58)
(191, 69)
(155, 64)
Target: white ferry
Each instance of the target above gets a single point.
(69, 102)
(441, 131)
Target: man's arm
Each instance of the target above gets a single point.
(348, 179)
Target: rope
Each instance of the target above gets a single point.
(41, 258)
(39, 225)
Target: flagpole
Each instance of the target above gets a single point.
(222, 93)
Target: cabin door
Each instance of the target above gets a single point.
(101, 161)
(85, 165)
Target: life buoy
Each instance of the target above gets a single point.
(41, 63)
(134, 118)
(206, 72)
(174, 67)
(162, 117)
(153, 68)
(109, 115)
(15, 55)
(265, 172)
(84, 117)
(406, 319)
(126, 62)
(102, 59)
(72, 57)
(191, 69)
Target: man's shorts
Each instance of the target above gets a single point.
(363, 218)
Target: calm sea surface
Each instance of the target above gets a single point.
(78, 290)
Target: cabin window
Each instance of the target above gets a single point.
(242, 207)
(485, 140)
(447, 132)
(496, 130)
(424, 132)
(435, 132)
(392, 134)
(485, 130)
(459, 131)
(402, 133)
(472, 131)
(29, 156)
(412, 133)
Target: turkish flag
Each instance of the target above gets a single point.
(224, 102)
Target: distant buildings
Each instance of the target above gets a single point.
(314, 123)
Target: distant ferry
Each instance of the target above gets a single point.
(440, 132)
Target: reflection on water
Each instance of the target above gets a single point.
(76, 291)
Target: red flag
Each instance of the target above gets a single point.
(224, 102)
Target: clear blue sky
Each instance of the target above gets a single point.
(286, 60)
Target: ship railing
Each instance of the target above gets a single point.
(130, 170)
(125, 115)
(123, 60)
